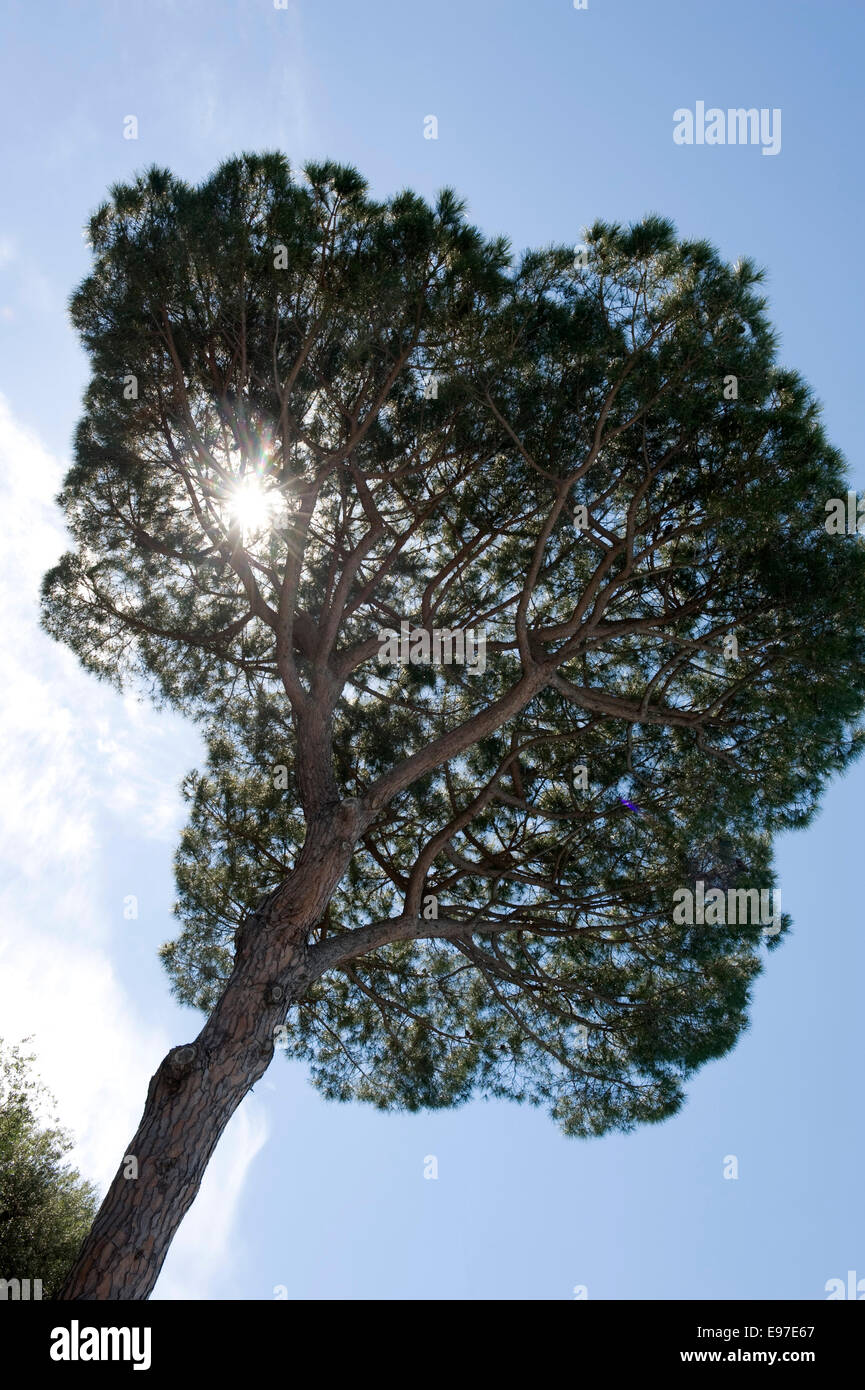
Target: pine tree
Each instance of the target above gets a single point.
(314, 417)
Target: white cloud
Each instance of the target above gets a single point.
(94, 1051)
(207, 1239)
(77, 762)
(72, 751)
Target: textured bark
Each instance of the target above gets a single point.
(198, 1087)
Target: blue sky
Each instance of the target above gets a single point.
(548, 118)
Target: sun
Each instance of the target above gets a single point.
(251, 504)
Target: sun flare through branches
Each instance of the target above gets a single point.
(251, 505)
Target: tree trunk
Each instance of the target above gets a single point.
(198, 1087)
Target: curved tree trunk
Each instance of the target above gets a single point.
(198, 1087)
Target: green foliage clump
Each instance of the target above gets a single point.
(46, 1207)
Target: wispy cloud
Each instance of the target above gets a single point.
(71, 750)
(79, 763)
(207, 1241)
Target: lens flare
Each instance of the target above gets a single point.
(251, 504)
